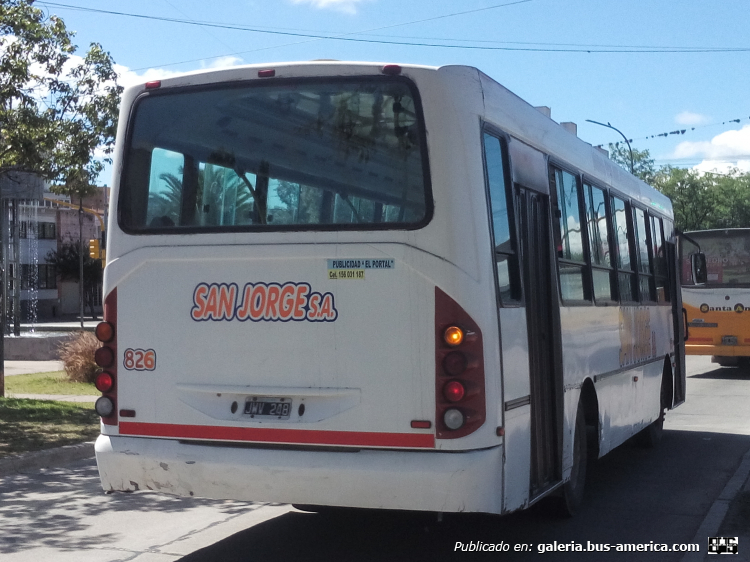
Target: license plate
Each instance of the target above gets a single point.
(728, 340)
(269, 408)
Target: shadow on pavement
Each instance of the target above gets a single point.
(633, 496)
(725, 373)
(61, 509)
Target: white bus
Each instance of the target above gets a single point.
(718, 309)
(377, 286)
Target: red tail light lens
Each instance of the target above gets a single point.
(104, 382)
(104, 357)
(455, 363)
(105, 332)
(454, 391)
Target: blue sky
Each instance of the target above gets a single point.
(546, 51)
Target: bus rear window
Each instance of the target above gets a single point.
(344, 154)
(727, 257)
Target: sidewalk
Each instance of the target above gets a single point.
(29, 367)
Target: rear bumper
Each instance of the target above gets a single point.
(379, 479)
(724, 350)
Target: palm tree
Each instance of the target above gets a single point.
(222, 198)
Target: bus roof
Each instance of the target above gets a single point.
(512, 114)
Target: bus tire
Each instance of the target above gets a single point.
(571, 494)
(651, 436)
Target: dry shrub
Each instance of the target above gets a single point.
(77, 355)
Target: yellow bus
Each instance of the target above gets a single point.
(718, 311)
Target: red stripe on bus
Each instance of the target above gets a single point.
(296, 436)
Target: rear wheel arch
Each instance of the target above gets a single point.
(590, 403)
(667, 386)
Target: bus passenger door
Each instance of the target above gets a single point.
(538, 286)
(679, 326)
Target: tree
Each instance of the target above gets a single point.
(67, 262)
(56, 109)
(643, 164)
(700, 200)
(694, 197)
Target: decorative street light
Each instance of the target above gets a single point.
(609, 126)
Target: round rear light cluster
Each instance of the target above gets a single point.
(104, 406)
(454, 391)
(104, 382)
(453, 419)
(455, 363)
(104, 357)
(460, 400)
(454, 336)
(105, 332)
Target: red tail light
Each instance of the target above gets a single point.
(104, 382)
(454, 391)
(459, 363)
(106, 356)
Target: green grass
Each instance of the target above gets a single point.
(30, 425)
(47, 383)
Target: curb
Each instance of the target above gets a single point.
(46, 458)
(715, 516)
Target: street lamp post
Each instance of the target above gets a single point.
(80, 259)
(609, 126)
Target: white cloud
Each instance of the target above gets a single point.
(222, 62)
(730, 146)
(346, 6)
(690, 118)
(722, 167)
(127, 77)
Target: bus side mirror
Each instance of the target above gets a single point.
(698, 264)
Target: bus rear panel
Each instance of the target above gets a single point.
(278, 288)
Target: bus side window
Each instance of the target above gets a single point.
(642, 241)
(660, 261)
(599, 244)
(501, 218)
(570, 251)
(625, 267)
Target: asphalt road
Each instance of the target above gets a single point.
(633, 496)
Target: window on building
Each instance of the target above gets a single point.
(43, 276)
(47, 230)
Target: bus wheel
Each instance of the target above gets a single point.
(572, 491)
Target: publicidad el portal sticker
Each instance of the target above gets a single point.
(354, 268)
